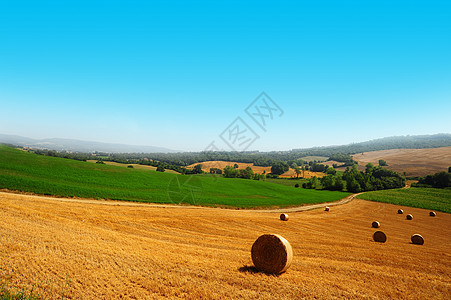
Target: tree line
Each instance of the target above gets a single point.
(437, 180)
(355, 181)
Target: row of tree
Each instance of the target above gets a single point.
(437, 180)
(248, 173)
(355, 181)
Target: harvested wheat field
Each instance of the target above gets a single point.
(304, 174)
(95, 250)
(415, 162)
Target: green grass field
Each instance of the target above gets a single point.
(28, 172)
(287, 181)
(317, 158)
(7, 294)
(428, 198)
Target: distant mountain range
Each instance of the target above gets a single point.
(387, 143)
(395, 142)
(78, 145)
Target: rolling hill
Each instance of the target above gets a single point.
(28, 172)
(59, 144)
(415, 162)
(265, 159)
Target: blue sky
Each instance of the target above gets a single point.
(175, 74)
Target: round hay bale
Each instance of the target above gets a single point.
(400, 211)
(376, 224)
(432, 214)
(417, 239)
(379, 237)
(271, 253)
(326, 208)
(284, 217)
(409, 217)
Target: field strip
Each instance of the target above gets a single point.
(308, 207)
(135, 204)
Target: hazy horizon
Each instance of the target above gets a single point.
(178, 75)
(162, 149)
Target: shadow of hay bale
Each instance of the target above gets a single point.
(254, 270)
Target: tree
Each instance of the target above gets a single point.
(353, 186)
(344, 158)
(258, 176)
(235, 166)
(369, 168)
(438, 180)
(332, 183)
(246, 173)
(298, 171)
(317, 167)
(279, 168)
(314, 182)
(382, 163)
(449, 169)
(230, 172)
(160, 168)
(331, 171)
(215, 171)
(198, 169)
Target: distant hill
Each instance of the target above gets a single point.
(78, 145)
(256, 157)
(265, 159)
(415, 162)
(387, 143)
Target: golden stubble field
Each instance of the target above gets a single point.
(111, 250)
(415, 162)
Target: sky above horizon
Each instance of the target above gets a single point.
(182, 75)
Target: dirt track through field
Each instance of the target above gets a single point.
(127, 203)
(89, 251)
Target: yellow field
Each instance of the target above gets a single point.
(98, 249)
(415, 162)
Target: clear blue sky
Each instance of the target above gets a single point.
(176, 73)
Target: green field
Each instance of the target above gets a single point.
(287, 181)
(9, 294)
(313, 158)
(428, 198)
(28, 172)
